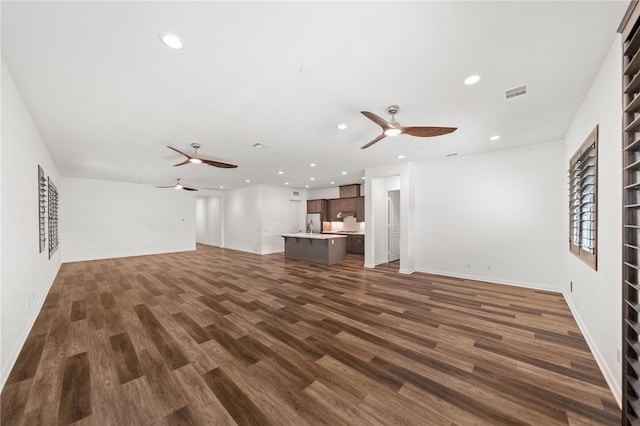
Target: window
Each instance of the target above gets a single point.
(583, 200)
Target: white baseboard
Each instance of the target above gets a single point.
(609, 377)
(13, 357)
(534, 286)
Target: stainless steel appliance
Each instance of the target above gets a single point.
(313, 223)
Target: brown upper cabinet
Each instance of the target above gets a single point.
(352, 205)
(334, 208)
(360, 209)
(314, 206)
(319, 206)
(349, 191)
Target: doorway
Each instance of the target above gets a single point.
(393, 225)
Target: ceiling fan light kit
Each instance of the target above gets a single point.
(393, 128)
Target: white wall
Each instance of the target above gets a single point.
(202, 228)
(495, 216)
(597, 295)
(323, 193)
(103, 219)
(26, 274)
(209, 220)
(255, 216)
(215, 235)
(243, 219)
(275, 216)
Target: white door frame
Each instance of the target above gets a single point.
(393, 225)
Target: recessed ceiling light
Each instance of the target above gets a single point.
(494, 138)
(280, 172)
(286, 183)
(472, 79)
(312, 165)
(306, 186)
(171, 40)
(260, 145)
(247, 180)
(221, 186)
(400, 157)
(342, 126)
(362, 178)
(344, 173)
(312, 178)
(333, 183)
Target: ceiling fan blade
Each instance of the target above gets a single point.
(219, 164)
(172, 186)
(378, 120)
(178, 151)
(184, 162)
(427, 131)
(184, 188)
(380, 136)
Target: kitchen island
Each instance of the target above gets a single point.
(320, 248)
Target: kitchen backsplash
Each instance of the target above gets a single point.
(346, 225)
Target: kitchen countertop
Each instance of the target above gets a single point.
(344, 232)
(314, 236)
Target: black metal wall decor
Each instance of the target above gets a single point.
(53, 218)
(42, 208)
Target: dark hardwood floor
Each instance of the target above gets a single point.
(219, 336)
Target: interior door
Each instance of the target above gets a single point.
(295, 216)
(394, 225)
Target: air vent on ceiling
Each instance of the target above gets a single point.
(516, 92)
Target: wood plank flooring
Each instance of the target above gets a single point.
(223, 337)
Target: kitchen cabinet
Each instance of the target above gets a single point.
(334, 208)
(348, 205)
(314, 206)
(354, 205)
(360, 209)
(350, 191)
(319, 206)
(319, 248)
(355, 244)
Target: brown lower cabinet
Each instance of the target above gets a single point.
(355, 244)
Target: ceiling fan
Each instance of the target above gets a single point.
(196, 159)
(393, 128)
(178, 185)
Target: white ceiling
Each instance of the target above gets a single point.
(108, 97)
